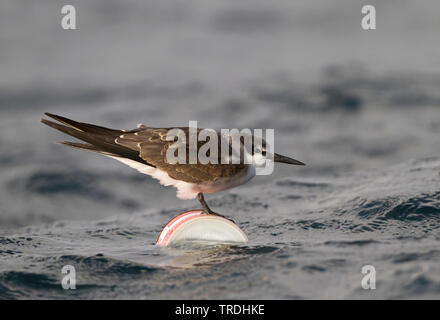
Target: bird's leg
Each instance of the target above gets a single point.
(205, 205)
(207, 209)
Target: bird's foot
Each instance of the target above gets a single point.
(217, 214)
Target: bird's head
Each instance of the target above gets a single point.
(255, 150)
(261, 153)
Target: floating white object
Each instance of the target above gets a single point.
(199, 226)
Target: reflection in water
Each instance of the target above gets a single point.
(195, 254)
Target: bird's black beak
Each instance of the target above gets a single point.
(284, 159)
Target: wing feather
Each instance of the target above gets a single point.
(152, 146)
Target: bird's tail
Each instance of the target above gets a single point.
(98, 139)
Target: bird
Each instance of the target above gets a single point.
(145, 149)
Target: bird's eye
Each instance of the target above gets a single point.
(260, 150)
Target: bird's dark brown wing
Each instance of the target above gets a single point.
(145, 145)
(152, 145)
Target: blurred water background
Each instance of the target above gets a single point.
(361, 108)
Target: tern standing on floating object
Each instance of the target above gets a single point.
(145, 149)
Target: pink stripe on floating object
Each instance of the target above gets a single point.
(197, 225)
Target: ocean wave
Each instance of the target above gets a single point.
(417, 208)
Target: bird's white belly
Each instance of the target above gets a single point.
(187, 190)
